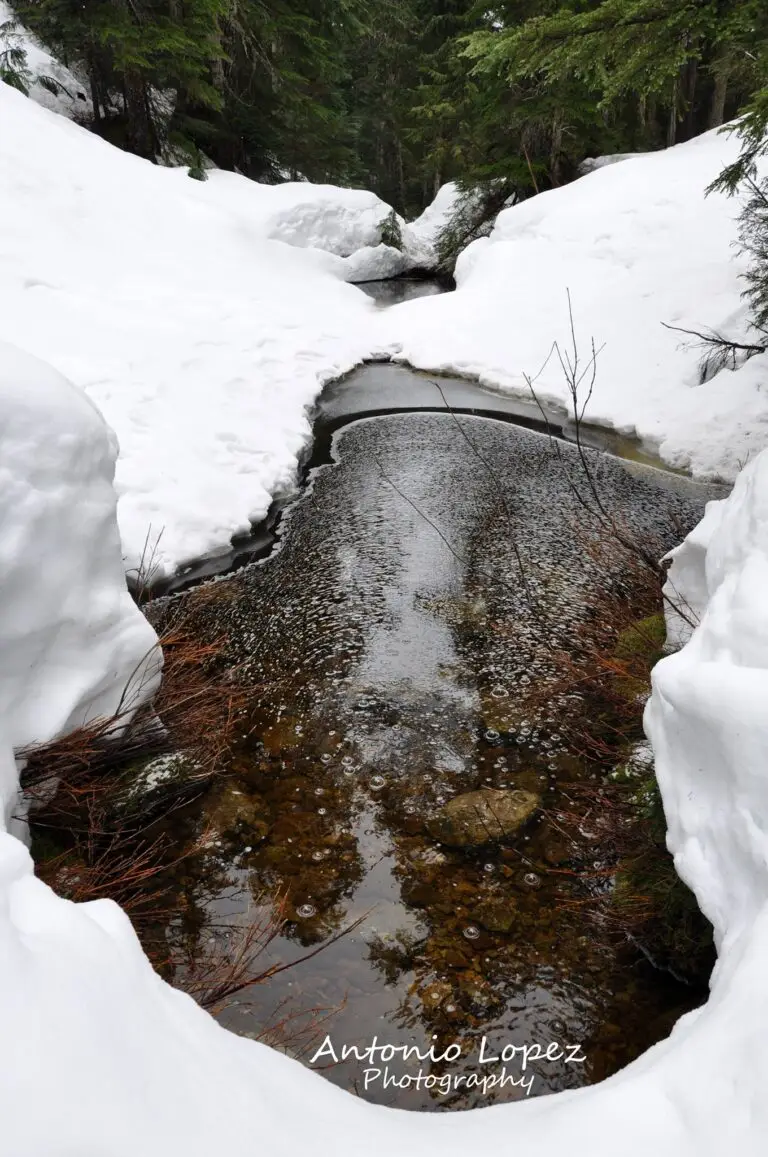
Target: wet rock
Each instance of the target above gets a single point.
(151, 785)
(433, 995)
(497, 914)
(483, 817)
(417, 894)
(241, 814)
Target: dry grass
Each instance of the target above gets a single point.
(106, 842)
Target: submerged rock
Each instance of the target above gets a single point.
(483, 817)
(153, 784)
(497, 914)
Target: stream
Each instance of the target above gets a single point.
(396, 629)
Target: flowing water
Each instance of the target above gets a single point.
(397, 640)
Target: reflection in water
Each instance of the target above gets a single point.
(394, 290)
(392, 644)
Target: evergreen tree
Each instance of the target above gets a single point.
(679, 64)
(403, 95)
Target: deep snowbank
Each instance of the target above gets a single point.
(637, 244)
(351, 225)
(708, 718)
(201, 341)
(72, 642)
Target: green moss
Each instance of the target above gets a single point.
(643, 641)
(666, 920)
(638, 648)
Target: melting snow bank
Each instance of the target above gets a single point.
(73, 646)
(102, 1057)
(639, 246)
(201, 340)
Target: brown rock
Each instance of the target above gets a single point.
(482, 817)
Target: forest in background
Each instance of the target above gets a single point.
(400, 96)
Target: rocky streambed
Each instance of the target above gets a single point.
(406, 760)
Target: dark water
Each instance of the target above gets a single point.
(385, 387)
(393, 291)
(397, 645)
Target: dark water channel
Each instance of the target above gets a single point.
(395, 290)
(397, 643)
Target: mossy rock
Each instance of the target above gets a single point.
(242, 814)
(487, 816)
(496, 914)
(150, 785)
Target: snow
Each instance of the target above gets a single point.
(423, 233)
(73, 644)
(72, 99)
(589, 164)
(201, 341)
(639, 246)
(450, 206)
(343, 222)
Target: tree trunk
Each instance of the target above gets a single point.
(672, 122)
(719, 96)
(690, 77)
(140, 133)
(555, 150)
(400, 173)
(97, 117)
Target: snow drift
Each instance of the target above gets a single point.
(201, 341)
(71, 638)
(369, 240)
(640, 247)
(73, 646)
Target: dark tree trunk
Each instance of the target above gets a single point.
(690, 77)
(400, 174)
(140, 133)
(719, 97)
(672, 122)
(97, 117)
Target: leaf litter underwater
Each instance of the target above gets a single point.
(396, 645)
